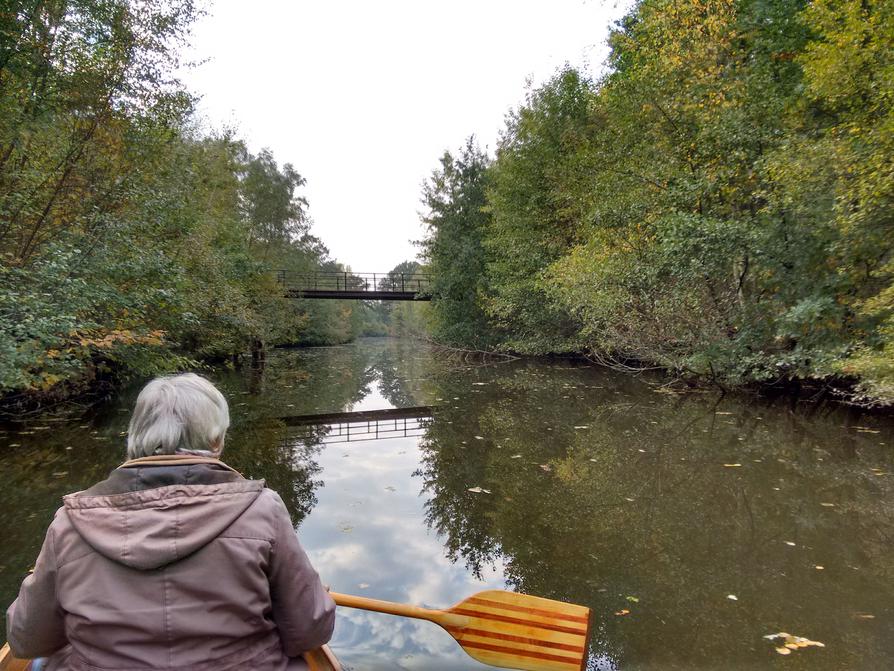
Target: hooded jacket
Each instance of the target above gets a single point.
(173, 564)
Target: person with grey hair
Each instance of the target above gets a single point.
(175, 561)
(184, 414)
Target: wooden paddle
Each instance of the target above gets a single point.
(506, 629)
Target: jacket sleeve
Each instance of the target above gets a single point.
(35, 624)
(302, 609)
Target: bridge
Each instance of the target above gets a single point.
(351, 427)
(366, 286)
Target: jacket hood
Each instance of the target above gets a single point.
(148, 528)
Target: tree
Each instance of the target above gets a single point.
(456, 216)
(535, 207)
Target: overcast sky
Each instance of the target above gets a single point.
(363, 97)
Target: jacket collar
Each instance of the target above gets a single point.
(163, 471)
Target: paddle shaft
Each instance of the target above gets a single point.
(439, 617)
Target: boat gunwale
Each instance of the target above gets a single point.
(321, 659)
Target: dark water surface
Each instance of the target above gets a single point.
(693, 526)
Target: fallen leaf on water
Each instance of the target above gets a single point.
(546, 467)
(623, 611)
(864, 616)
(581, 427)
(479, 490)
(633, 599)
(828, 505)
(479, 437)
(515, 456)
(790, 543)
(478, 384)
(732, 597)
(791, 642)
(731, 465)
(723, 413)
(627, 498)
(819, 568)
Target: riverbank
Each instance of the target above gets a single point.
(71, 399)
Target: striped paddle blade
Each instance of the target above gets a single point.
(505, 629)
(518, 631)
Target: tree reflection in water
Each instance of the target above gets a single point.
(607, 493)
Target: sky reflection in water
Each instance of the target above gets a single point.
(367, 536)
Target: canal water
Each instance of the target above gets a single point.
(693, 525)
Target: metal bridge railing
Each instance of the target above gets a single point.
(356, 432)
(404, 283)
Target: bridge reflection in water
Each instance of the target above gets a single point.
(365, 425)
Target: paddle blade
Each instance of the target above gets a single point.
(518, 631)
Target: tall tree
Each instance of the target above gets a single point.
(535, 209)
(455, 201)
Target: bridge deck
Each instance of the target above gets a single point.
(361, 294)
(346, 284)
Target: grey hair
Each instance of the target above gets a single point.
(183, 414)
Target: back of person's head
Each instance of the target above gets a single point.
(178, 414)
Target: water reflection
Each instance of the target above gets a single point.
(692, 529)
(363, 425)
(587, 486)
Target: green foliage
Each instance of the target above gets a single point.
(131, 243)
(718, 204)
(534, 206)
(454, 199)
(410, 319)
